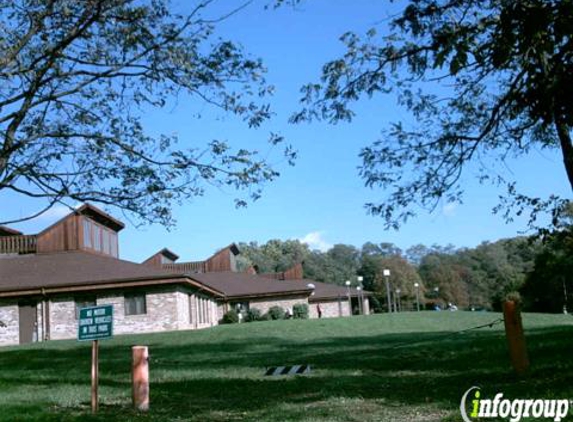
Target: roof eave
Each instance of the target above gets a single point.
(108, 284)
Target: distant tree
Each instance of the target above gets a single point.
(384, 249)
(483, 81)
(403, 277)
(549, 285)
(415, 253)
(498, 268)
(444, 280)
(76, 79)
(346, 255)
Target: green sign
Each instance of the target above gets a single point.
(95, 323)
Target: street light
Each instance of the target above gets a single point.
(349, 299)
(361, 293)
(417, 286)
(386, 274)
(565, 296)
(360, 310)
(399, 301)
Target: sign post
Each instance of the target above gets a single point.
(95, 323)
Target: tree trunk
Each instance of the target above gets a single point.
(566, 148)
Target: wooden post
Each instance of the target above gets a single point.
(95, 375)
(515, 337)
(140, 377)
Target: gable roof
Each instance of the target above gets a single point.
(242, 285)
(7, 231)
(165, 252)
(100, 216)
(79, 269)
(92, 212)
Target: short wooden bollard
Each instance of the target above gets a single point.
(140, 377)
(515, 337)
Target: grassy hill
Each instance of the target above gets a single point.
(405, 367)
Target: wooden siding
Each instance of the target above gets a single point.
(65, 235)
(153, 261)
(163, 257)
(186, 267)
(294, 273)
(221, 261)
(224, 260)
(17, 244)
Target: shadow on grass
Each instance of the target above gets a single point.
(224, 381)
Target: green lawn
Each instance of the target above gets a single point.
(377, 368)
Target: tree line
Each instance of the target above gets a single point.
(477, 278)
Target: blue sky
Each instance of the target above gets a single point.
(321, 198)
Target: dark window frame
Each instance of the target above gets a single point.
(135, 304)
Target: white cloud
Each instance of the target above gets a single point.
(449, 210)
(315, 241)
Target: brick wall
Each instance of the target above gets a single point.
(63, 323)
(167, 309)
(161, 315)
(10, 334)
(330, 308)
(286, 303)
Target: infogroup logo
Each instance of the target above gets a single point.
(515, 410)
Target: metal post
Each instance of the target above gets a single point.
(565, 296)
(388, 299)
(349, 298)
(140, 377)
(95, 375)
(417, 286)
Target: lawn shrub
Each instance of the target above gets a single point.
(230, 317)
(300, 311)
(276, 312)
(253, 314)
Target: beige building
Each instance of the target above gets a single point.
(46, 278)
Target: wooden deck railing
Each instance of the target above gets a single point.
(186, 267)
(18, 244)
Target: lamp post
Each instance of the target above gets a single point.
(417, 286)
(386, 274)
(436, 294)
(565, 296)
(360, 311)
(349, 299)
(360, 294)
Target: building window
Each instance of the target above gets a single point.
(106, 244)
(135, 305)
(97, 237)
(114, 249)
(87, 234)
(84, 302)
